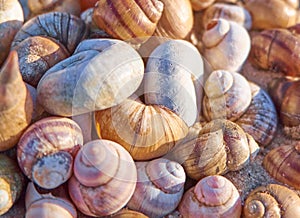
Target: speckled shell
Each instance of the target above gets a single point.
(272, 201)
(100, 74)
(16, 105)
(104, 178)
(131, 20)
(45, 143)
(283, 164)
(11, 183)
(173, 70)
(260, 119)
(160, 186)
(213, 196)
(146, 131)
(199, 5)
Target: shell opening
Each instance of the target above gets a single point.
(4, 199)
(216, 30)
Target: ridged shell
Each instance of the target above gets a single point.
(146, 131)
(104, 178)
(173, 70)
(46, 149)
(272, 201)
(213, 196)
(283, 164)
(160, 186)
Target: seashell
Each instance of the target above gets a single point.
(145, 131)
(282, 163)
(228, 12)
(177, 12)
(100, 74)
(221, 146)
(46, 149)
(272, 200)
(160, 186)
(270, 48)
(260, 119)
(11, 20)
(87, 4)
(171, 78)
(130, 20)
(104, 178)
(126, 213)
(199, 5)
(41, 205)
(11, 183)
(212, 196)
(227, 95)
(272, 13)
(226, 44)
(15, 103)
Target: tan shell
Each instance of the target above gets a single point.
(272, 201)
(199, 5)
(16, 106)
(126, 213)
(146, 131)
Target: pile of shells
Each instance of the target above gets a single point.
(161, 108)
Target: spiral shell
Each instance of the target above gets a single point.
(160, 186)
(46, 149)
(226, 44)
(283, 164)
(213, 196)
(104, 178)
(272, 201)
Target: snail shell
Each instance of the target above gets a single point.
(270, 48)
(11, 20)
(132, 20)
(283, 164)
(160, 186)
(272, 201)
(11, 183)
(226, 44)
(170, 77)
(100, 74)
(260, 119)
(145, 131)
(46, 149)
(42, 205)
(213, 196)
(104, 178)
(227, 95)
(126, 213)
(199, 5)
(16, 106)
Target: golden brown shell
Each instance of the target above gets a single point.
(126, 213)
(199, 5)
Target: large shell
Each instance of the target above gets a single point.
(11, 183)
(173, 70)
(146, 131)
(272, 201)
(213, 196)
(132, 20)
(260, 119)
(16, 105)
(227, 95)
(46, 149)
(160, 186)
(104, 178)
(226, 44)
(100, 74)
(283, 164)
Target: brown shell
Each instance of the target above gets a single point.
(270, 49)
(272, 201)
(283, 164)
(199, 5)
(131, 20)
(126, 213)
(146, 131)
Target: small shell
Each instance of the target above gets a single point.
(226, 44)
(213, 196)
(272, 201)
(283, 164)
(126, 213)
(46, 149)
(146, 131)
(227, 95)
(199, 5)
(104, 178)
